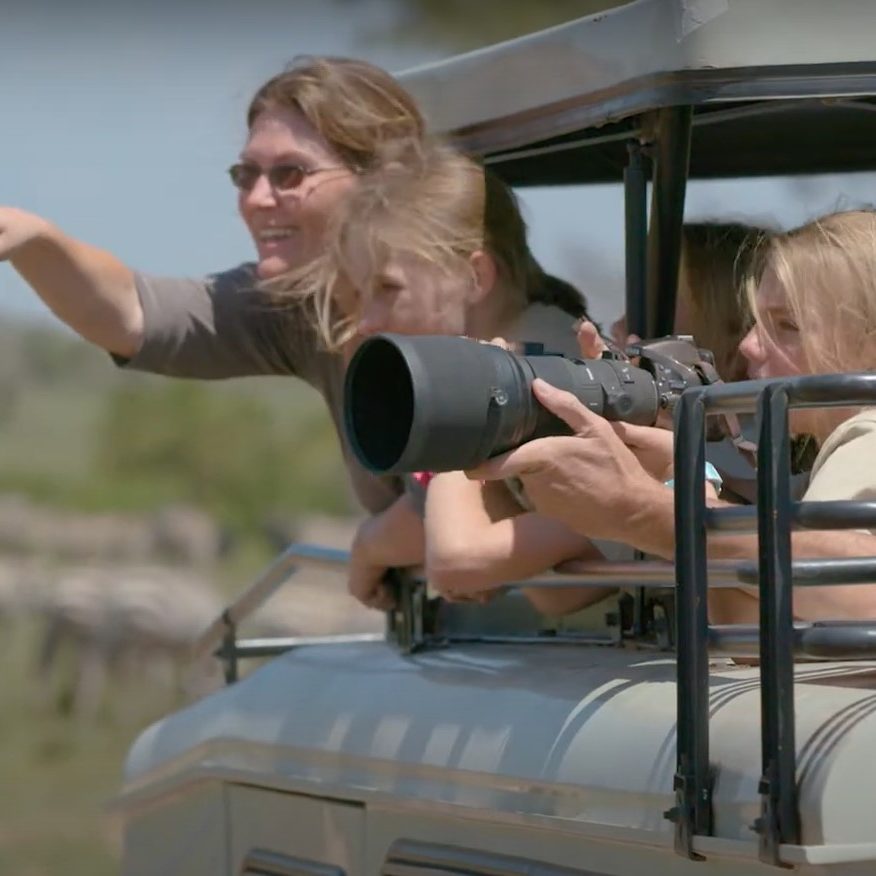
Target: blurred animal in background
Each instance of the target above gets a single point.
(19, 593)
(132, 624)
(175, 533)
(104, 619)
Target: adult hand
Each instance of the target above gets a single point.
(365, 579)
(653, 446)
(591, 481)
(17, 229)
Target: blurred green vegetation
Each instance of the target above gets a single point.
(59, 774)
(78, 432)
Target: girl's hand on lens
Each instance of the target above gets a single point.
(590, 342)
(653, 446)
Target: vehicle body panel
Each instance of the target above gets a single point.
(574, 738)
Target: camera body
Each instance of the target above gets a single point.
(438, 403)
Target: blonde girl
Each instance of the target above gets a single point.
(432, 245)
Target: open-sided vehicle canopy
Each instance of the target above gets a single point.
(663, 88)
(776, 87)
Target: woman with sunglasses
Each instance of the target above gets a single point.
(311, 131)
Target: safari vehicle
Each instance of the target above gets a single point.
(479, 741)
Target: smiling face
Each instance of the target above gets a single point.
(288, 226)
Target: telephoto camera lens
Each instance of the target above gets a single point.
(438, 403)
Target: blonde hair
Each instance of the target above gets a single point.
(717, 258)
(430, 202)
(827, 271)
(355, 106)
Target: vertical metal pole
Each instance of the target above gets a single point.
(671, 161)
(779, 821)
(693, 784)
(229, 651)
(635, 247)
(636, 237)
(406, 622)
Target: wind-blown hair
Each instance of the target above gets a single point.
(355, 106)
(827, 270)
(428, 201)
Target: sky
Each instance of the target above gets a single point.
(120, 118)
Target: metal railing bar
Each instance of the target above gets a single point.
(832, 390)
(779, 822)
(267, 583)
(722, 574)
(818, 390)
(805, 515)
(319, 556)
(632, 574)
(692, 813)
(267, 647)
(834, 515)
(818, 641)
(854, 641)
(820, 572)
(547, 639)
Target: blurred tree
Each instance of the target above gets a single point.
(463, 24)
(10, 373)
(47, 355)
(223, 452)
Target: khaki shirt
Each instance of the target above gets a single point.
(845, 467)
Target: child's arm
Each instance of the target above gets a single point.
(478, 538)
(394, 538)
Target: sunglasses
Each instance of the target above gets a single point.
(282, 177)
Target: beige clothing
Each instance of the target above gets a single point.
(220, 326)
(845, 467)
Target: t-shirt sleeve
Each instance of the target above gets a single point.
(849, 471)
(216, 327)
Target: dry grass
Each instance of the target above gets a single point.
(58, 773)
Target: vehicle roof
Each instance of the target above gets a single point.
(808, 67)
(581, 734)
